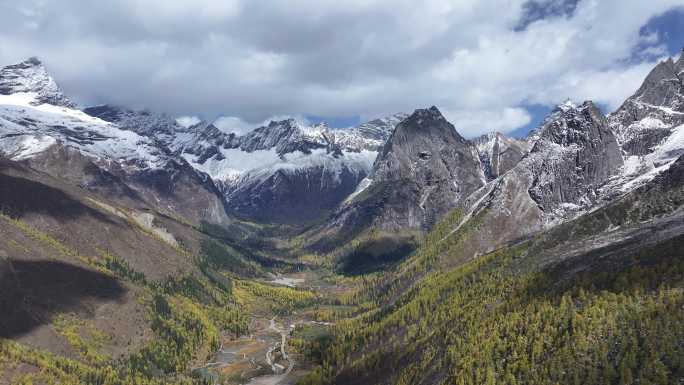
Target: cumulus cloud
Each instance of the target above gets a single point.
(471, 123)
(188, 121)
(233, 124)
(479, 60)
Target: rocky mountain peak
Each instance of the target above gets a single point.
(679, 65)
(30, 76)
(648, 116)
(574, 153)
(428, 120)
(567, 105)
(417, 137)
(571, 124)
(144, 122)
(423, 171)
(285, 135)
(285, 124)
(423, 128)
(661, 79)
(381, 128)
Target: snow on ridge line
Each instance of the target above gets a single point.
(21, 116)
(236, 163)
(28, 100)
(640, 169)
(23, 147)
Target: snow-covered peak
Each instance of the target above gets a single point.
(30, 76)
(567, 121)
(573, 125)
(422, 115)
(28, 128)
(486, 142)
(285, 136)
(381, 128)
(648, 116)
(143, 122)
(567, 105)
(370, 135)
(322, 126)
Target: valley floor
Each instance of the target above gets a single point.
(257, 358)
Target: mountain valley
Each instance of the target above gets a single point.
(135, 249)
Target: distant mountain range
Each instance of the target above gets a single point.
(287, 172)
(136, 195)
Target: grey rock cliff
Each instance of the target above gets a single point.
(31, 76)
(648, 116)
(499, 153)
(424, 170)
(575, 152)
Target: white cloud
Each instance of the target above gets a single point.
(249, 61)
(471, 123)
(188, 121)
(232, 124)
(609, 87)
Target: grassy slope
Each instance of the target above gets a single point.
(92, 296)
(557, 308)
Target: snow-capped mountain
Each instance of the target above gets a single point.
(371, 135)
(160, 128)
(28, 126)
(648, 116)
(284, 170)
(37, 121)
(289, 171)
(31, 77)
(650, 126)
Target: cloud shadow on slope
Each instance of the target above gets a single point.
(32, 292)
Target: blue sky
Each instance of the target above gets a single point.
(488, 65)
(669, 26)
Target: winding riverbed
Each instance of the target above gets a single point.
(278, 374)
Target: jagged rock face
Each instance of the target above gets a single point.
(284, 171)
(499, 153)
(126, 163)
(574, 153)
(647, 117)
(424, 170)
(285, 136)
(381, 128)
(290, 173)
(206, 142)
(144, 122)
(371, 135)
(30, 76)
(291, 196)
(427, 149)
